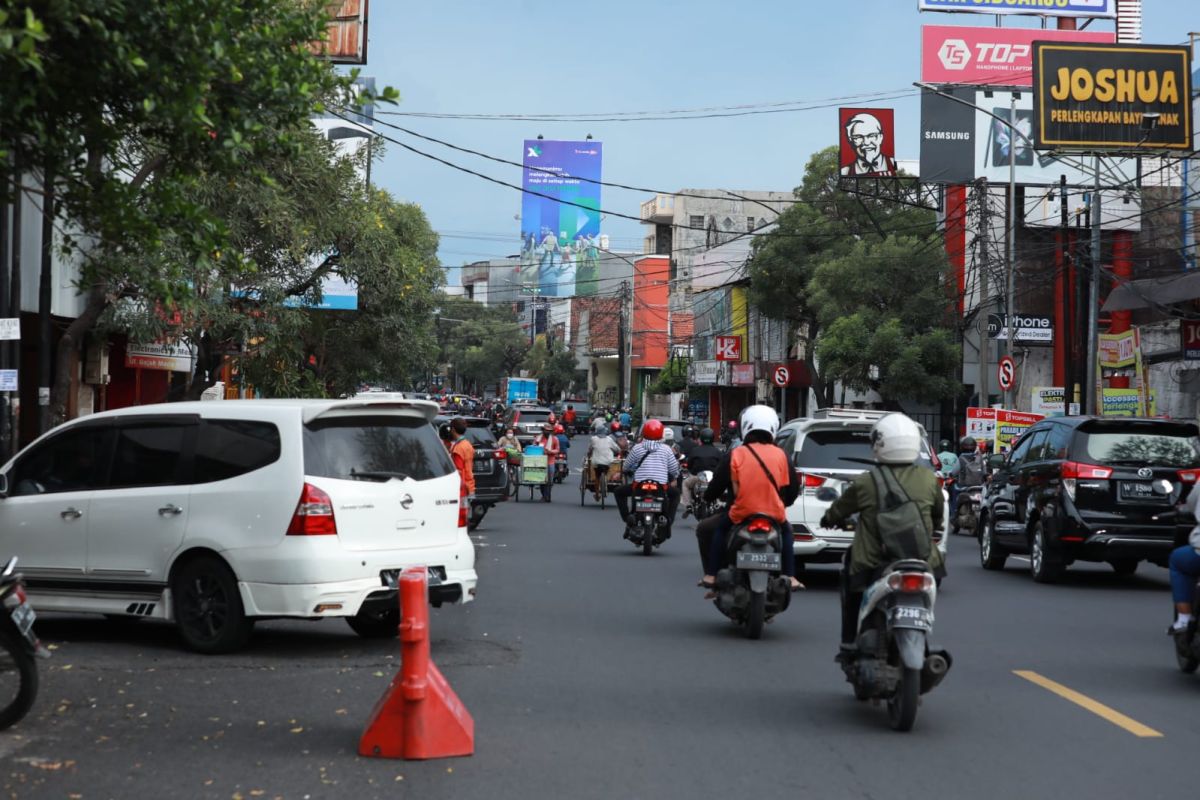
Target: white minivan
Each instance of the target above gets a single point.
(214, 515)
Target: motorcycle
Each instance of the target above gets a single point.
(648, 527)
(966, 519)
(753, 589)
(893, 661)
(561, 470)
(701, 509)
(20, 644)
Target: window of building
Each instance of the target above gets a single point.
(696, 221)
(750, 223)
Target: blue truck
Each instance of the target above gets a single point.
(516, 389)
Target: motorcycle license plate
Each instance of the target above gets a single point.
(912, 617)
(23, 617)
(767, 561)
(650, 506)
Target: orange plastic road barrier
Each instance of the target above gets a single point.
(419, 716)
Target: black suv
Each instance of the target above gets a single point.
(1090, 489)
(491, 465)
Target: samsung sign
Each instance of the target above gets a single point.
(1049, 8)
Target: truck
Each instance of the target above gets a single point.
(514, 390)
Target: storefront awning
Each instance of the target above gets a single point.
(1152, 292)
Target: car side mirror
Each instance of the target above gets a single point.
(3, 485)
(996, 461)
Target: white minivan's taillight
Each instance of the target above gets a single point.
(464, 508)
(314, 514)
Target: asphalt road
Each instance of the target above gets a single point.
(595, 672)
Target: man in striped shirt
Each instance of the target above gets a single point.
(651, 460)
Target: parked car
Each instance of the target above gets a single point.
(828, 451)
(214, 515)
(526, 421)
(1090, 489)
(490, 464)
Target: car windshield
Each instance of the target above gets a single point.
(344, 447)
(840, 448)
(480, 437)
(845, 448)
(1143, 444)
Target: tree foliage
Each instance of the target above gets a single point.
(861, 281)
(554, 367)
(122, 105)
(484, 344)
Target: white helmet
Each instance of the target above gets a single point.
(668, 434)
(896, 439)
(759, 418)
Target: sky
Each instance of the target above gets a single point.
(539, 57)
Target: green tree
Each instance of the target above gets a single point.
(554, 367)
(121, 104)
(822, 235)
(309, 220)
(671, 379)
(482, 344)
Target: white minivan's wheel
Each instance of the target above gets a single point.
(208, 607)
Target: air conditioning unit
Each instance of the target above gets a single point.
(95, 365)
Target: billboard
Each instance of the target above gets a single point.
(948, 136)
(988, 56)
(868, 142)
(560, 218)
(1042, 8)
(1096, 96)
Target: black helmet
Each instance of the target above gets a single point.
(944, 444)
(689, 432)
(706, 436)
(967, 444)
(444, 432)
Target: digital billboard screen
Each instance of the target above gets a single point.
(560, 218)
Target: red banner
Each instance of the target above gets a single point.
(989, 56)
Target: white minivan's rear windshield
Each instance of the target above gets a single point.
(374, 448)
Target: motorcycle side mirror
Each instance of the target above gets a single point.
(827, 494)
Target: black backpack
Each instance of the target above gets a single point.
(970, 471)
(899, 520)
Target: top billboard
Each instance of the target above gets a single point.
(560, 218)
(988, 56)
(1112, 96)
(1041, 8)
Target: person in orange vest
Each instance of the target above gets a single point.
(462, 452)
(569, 419)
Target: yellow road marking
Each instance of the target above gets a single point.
(1097, 708)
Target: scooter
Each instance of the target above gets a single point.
(970, 500)
(561, 470)
(21, 646)
(648, 525)
(753, 589)
(700, 508)
(894, 661)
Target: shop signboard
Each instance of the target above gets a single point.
(948, 135)
(1041, 8)
(1031, 329)
(1048, 401)
(1189, 331)
(1127, 403)
(728, 348)
(989, 56)
(1099, 96)
(169, 357)
(1118, 350)
(707, 373)
(743, 374)
(1010, 425)
(981, 424)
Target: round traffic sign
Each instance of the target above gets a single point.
(780, 376)
(1006, 372)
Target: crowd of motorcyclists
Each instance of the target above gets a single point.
(738, 474)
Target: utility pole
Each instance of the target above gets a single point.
(44, 300)
(982, 266)
(1009, 302)
(621, 326)
(1093, 329)
(1066, 335)
(6, 437)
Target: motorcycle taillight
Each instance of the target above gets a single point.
(759, 526)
